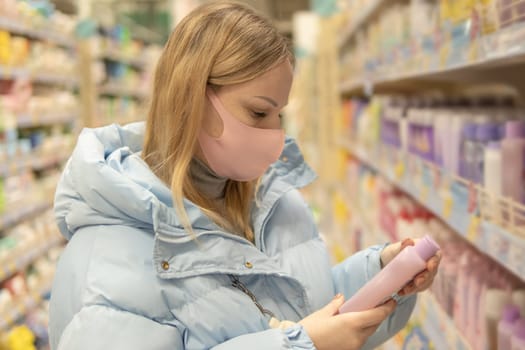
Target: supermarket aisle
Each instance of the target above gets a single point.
(429, 139)
(411, 112)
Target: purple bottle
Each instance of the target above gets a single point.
(511, 314)
(390, 280)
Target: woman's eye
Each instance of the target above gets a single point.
(259, 114)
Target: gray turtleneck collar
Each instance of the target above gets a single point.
(206, 181)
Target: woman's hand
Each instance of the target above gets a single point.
(422, 280)
(349, 331)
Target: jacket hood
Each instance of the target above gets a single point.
(106, 182)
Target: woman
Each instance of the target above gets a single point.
(190, 233)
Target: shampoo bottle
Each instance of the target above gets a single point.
(512, 154)
(408, 263)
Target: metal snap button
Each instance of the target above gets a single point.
(165, 265)
(248, 264)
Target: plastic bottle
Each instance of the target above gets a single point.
(468, 151)
(492, 169)
(495, 301)
(492, 179)
(512, 155)
(517, 341)
(518, 299)
(511, 314)
(393, 277)
(485, 134)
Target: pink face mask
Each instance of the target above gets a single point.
(242, 152)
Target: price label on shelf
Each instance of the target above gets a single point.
(473, 228)
(448, 204)
(424, 193)
(399, 170)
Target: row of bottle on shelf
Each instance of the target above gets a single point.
(484, 301)
(475, 141)
(20, 193)
(28, 254)
(421, 35)
(38, 15)
(32, 147)
(32, 332)
(34, 56)
(22, 100)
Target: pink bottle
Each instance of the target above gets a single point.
(512, 155)
(511, 314)
(407, 264)
(518, 336)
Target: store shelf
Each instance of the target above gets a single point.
(437, 324)
(453, 200)
(35, 162)
(23, 306)
(120, 90)
(15, 216)
(485, 69)
(360, 21)
(118, 57)
(31, 122)
(17, 28)
(48, 79)
(11, 265)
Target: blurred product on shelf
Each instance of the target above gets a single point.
(122, 71)
(472, 290)
(422, 36)
(28, 254)
(455, 134)
(37, 15)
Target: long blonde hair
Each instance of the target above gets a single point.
(219, 43)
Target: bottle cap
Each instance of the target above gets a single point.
(515, 129)
(519, 329)
(426, 247)
(511, 313)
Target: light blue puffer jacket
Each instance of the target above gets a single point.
(131, 278)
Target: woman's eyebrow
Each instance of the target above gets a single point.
(268, 100)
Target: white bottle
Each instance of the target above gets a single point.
(492, 169)
(492, 179)
(495, 302)
(517, 341)
(518, 299)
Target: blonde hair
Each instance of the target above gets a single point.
(219, 43)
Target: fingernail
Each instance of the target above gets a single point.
(338, 296)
